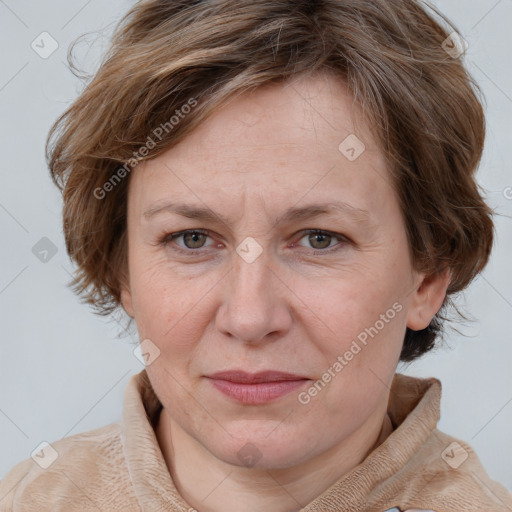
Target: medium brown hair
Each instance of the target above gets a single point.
(391, 54)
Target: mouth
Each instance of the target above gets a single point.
(256, 388)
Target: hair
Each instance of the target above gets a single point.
(165, 54)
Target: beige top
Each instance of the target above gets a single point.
(120, 467)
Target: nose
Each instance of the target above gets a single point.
(255, 302)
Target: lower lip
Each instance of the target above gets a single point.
(254, 394)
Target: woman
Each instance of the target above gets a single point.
(281, 195)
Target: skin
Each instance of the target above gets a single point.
(295, 308)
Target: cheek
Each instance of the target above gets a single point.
(348, 303)
(154, 301)
(360, 317)
(169, 306)
(360, 351)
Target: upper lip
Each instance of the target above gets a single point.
(242, 377)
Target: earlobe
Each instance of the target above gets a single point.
(428, 299)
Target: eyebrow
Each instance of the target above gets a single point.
(292, 214)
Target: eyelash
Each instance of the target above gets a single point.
(168, 238)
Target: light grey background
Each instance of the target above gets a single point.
(63, 370)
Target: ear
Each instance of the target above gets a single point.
(427, 299)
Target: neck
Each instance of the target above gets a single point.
(210, 485)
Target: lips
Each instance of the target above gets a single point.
(242, 377)
(256, 388)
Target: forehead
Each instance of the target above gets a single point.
(301, 140)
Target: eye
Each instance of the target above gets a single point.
(192, 239)
(321, 240)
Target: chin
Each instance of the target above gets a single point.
(261, 448)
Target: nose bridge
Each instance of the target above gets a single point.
(253, 306)
(251, 273)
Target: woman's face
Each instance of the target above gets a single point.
(253, 291)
